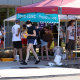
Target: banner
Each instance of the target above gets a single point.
(38, 17)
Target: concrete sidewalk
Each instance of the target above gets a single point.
(31, 63)
(8, 65)
(14, 70)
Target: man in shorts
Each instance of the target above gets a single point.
(16, 39)
(71, 37)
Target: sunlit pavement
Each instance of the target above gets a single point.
(48, 78)
(16, 71)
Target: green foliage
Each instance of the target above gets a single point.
(3, 14)
(11, 11)
(3, 10)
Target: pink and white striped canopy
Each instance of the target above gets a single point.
(53, 6)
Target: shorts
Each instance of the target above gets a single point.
(17, 44)
(2, 39)
(71, 45)
(24, 41)
(30, 41)
(43, 43)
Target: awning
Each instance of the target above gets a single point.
(52, 7)
(38, 17)
(69, 17)
(62, 18)
(11, 19)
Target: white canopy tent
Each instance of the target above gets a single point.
(11, 19)
(69, 17)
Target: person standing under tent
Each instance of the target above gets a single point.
(3, 33)
(61, 34)
(44, 43)
(38, 34)
(55, 34)
(78, 35)
(78, 30)
(0, 37)
(38, 42)
(71, 37)
(24, 41)
(16, 39)
(30, 40)
(23, 37)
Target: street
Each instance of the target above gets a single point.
(16, 71)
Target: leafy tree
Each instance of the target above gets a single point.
(3, 14)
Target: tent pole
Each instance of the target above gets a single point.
(8, 40)
(4, 35)
(76, 38)
(66, 34)
(58, 30)
(66, 28)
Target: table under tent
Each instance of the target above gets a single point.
(60, 7)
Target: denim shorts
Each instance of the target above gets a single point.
(43, 43)
(30, 41)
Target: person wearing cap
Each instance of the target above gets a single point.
(30, 41)
(16, 39)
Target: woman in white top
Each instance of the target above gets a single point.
(71, 37)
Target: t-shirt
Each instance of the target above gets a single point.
(71, 32)
(30, 31)
(14, 32)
